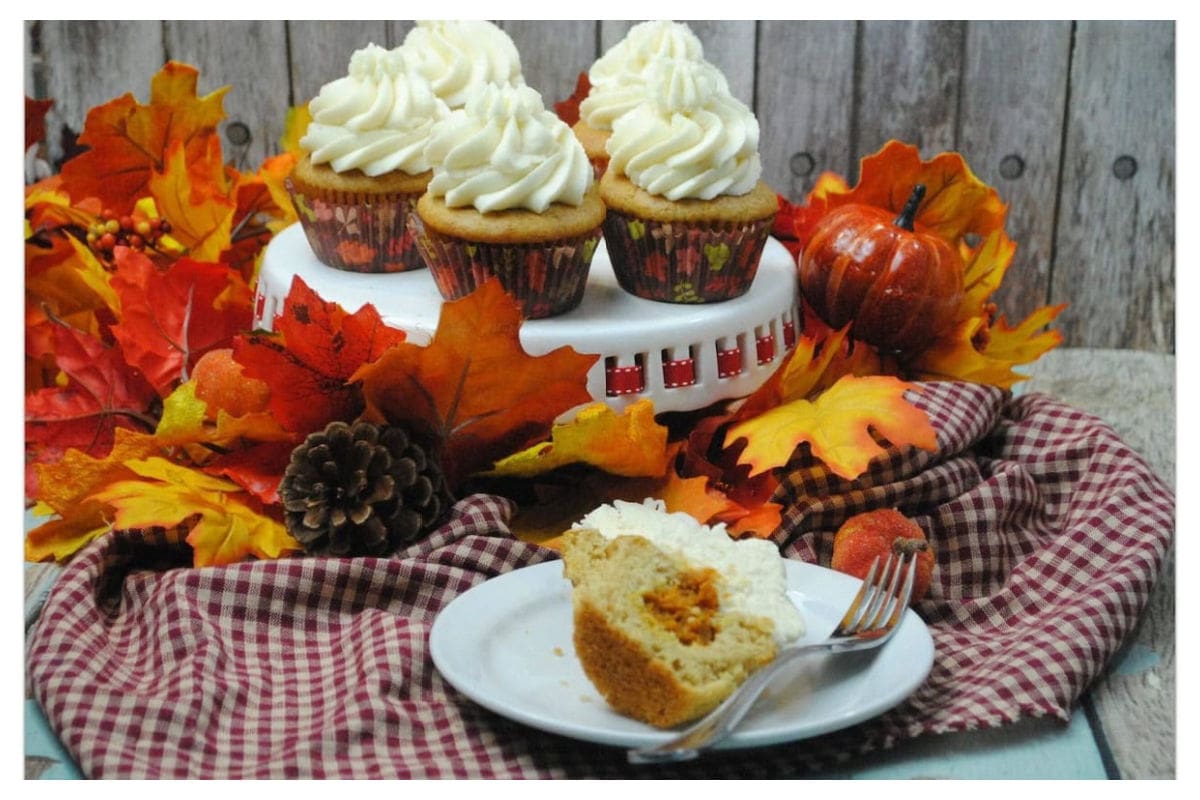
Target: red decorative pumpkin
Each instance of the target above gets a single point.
(900, 287)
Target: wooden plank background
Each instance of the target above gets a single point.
(1073, 122)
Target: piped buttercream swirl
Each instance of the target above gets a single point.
(376, 119)
(457, 57)
(504, 150)
(618, 78)
(690, 138)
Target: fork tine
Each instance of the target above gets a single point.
(865, 591)
(886, 598)
(879, 602)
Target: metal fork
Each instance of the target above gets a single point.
(871, 619)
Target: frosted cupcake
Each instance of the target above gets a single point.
(618, 80)
(512, 196)
(688, 214)
(458, 57)
(363, 164)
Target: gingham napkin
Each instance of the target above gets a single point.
(1050, 533)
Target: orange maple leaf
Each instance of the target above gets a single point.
(956, 202)
(128, 141)
(474, 386)
(838, 425)
(959, 355)
(224, 528)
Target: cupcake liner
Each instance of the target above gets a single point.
(545, 278)
(358, 232)
(684, 262)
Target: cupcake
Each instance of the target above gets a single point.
(363, 164)
(688, 214)
(618, 80)
(457, 57)
(512, 196)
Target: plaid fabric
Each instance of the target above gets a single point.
(1050, 533)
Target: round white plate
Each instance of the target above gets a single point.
(506, 644)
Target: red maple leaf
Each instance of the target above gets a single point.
(35, 120)
(306, 363)
(171, 317)
(568, 109)
(102, 393)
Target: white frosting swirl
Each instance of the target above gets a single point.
(690, 138)
(376, 119)
(642, 44)
(619, 77)
(505, 150)
(457, 57)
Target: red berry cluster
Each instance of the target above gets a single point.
(112, 230)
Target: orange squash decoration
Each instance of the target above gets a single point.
(874, 534)
(900, 287)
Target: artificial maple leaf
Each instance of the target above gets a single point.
(838, 425)
(225, 529)
(309, 361)
(630, 444)
(264, 208)
(186, 419)
(101, 393)
(959, 355)
(48, 207)
(171, 317)
(128, 142)
(985, 267)
(35, 120)
(568, 109)
(956, 202)
(192, 192)
(474, 386)
(295, 124)
(67, 284)
(63, 487)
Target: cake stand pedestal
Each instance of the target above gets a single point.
(682, 357)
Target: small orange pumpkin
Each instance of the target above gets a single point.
(871, 534)
(899, 286)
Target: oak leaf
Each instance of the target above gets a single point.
(309, 360)
(840, 425)
(630, 444)
(128, 142)
(223, 528)
(474, 387)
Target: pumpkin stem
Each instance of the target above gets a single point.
(909, 212)
(903, 546)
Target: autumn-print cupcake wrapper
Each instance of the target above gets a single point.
(546, 278)
(359, 232)
(684, 262)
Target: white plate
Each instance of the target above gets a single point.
(506, 644)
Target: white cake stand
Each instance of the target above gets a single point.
(682, 357)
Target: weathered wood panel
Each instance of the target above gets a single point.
(553, 54)
(252, 58)
(804, 102)
(1014, 90)
(1115, 244)
(907, 85)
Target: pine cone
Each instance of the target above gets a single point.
(361, 490)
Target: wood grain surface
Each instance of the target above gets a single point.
(1073, 122)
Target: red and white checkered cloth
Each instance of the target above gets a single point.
(1050, 534)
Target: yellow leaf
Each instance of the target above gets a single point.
(194, 196)
(1027, 342)
(62, 537)
(225, 530)
(838, 425)
(631, 444)
(985, 268)
(186, 420)
(294, 126)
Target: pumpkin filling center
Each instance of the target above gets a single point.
(686, 607)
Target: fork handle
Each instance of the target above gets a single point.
(721, 721)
